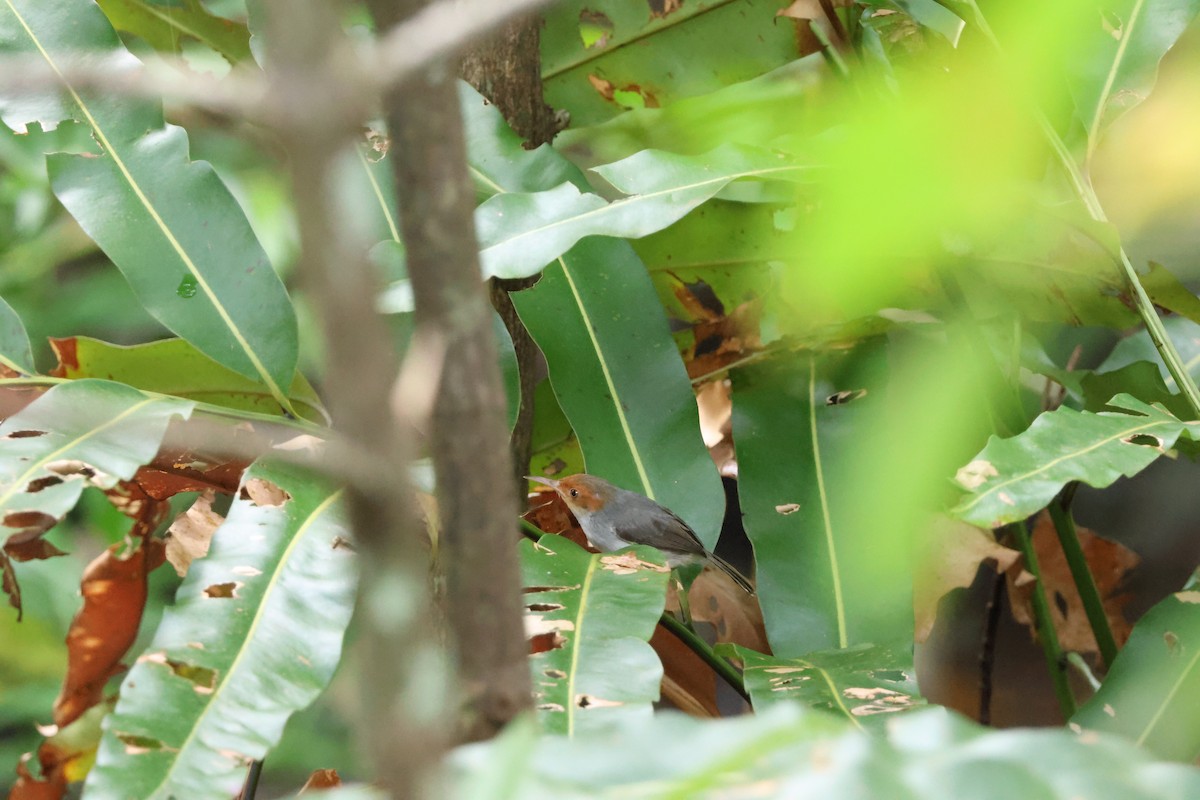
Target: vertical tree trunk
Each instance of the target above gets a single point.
(507, 70)
(399, 650)
(470, 449)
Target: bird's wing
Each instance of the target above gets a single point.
(673, 533)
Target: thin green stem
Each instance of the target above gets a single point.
(1056, 661)
(722, 667)
(830, 52)
(1093, 605)
(1087, 194)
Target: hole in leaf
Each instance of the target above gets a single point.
(263, 493)
(841, 398)
(37, 484)
(662, 8)
(136, 745)
(545, 642)
(1061, 603)
(557, 674)
(545, 606)
(539, 589)
(1144, 439)
(595, 28)
(222, 590)
(25, 434)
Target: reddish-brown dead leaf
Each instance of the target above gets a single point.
(605, 88)
(114, 596)
(549, 513)
(698, 299)
(189, 535)
(32, 549)
(8, 581)
(322, 779)
(718, 343)
(52, 786)
(1109, 562)
(952, 557)
(735, 615)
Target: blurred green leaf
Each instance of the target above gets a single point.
(619, 379)
(822, 568)
(648, 59)
(928, 13)
(1013, 478)
(15, 352)
(521, 233)
(788, 752)
(866, 684)
(590, 617)
(1149, 694)
(157, 215)
(255, 635)
(175, 367)
(1116, 63)
(164, 25)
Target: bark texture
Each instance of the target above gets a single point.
(507, 70)
(468, 425)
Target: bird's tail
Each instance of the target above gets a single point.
(731, 571)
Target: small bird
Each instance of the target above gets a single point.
(614, 518)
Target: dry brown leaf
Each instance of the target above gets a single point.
(1109, 562)
(951, 561)
(717, 343)
(716, 425)
(322, 779)
(191, 532)
(549, 513)
(114, 597)
(736, 616)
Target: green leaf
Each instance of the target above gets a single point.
(1117, 62)
(619, 379)
(175, 367)
(791, 752)
(163, 26)
(15, 352)
(1149, 694)
(254, 636)
(1013, 478)
(928, 13)
(77, 434)
(169, 224)
(821, 572)
(521, 233)
(648, 59)
(590, 617)
(866, 684)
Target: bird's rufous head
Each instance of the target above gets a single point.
(582, 493)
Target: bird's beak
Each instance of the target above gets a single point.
(553, 484)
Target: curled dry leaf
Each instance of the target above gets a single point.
(716, 425)
(951, 560)
(549, 513)
(322, 779)
(191, 532)
(1110, 563)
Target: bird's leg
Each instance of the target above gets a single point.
(685, 610)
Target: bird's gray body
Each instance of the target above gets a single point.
(614, 518)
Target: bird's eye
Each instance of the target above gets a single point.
(574, 493)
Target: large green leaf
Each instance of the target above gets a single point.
(15, 352)
(169, 224)
(1117, 63)
(1013, 478)
(822, 573)
(175, 367)
(600, 57)
(866, 684)
(590, 617)
(77, 434)
(165, 25)
(619, 379)
(85, 433)
(521, 233)
(1152, 693)
(254, 636)
(788, 752)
